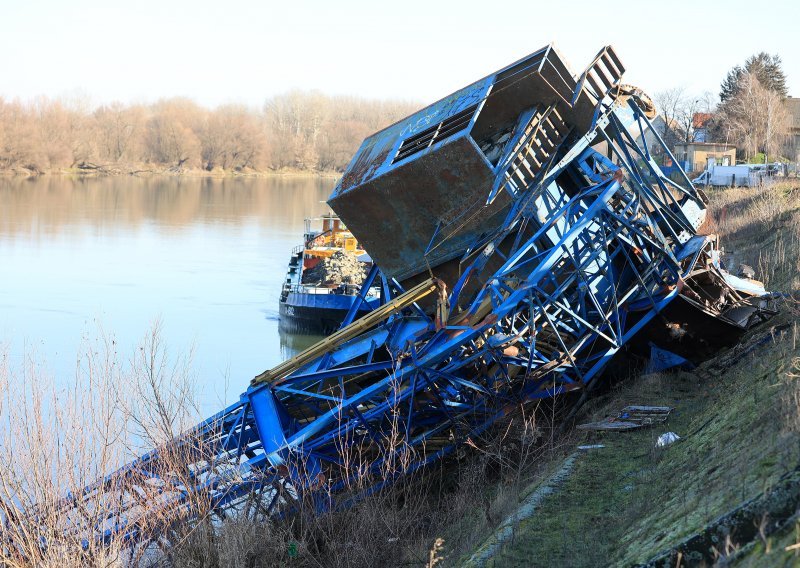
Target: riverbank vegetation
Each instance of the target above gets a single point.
(60, 435)
(295, 131)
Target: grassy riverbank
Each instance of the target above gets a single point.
(627, 501)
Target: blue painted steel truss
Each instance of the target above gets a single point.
(590, 251)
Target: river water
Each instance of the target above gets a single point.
(84, 258)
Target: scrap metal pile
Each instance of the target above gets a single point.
(342, 267)
(524, 235)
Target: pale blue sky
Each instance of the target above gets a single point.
(245, 51)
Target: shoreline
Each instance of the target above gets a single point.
(118, 171)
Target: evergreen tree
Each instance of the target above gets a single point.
(768, 69)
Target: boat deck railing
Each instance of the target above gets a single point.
(343, 290)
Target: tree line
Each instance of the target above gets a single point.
(295, 130)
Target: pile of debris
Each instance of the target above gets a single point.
(340, 268)
(631, 418)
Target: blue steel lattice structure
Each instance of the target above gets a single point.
(554, 240)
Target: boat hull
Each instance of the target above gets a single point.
(319, 314)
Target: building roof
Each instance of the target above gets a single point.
(699, 119)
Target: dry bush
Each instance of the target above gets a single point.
(58, 439)
(768, 206)
(444, 508)
(55, 438)
(790, 399)
(352, 526)
(763, 226)
(59, 436)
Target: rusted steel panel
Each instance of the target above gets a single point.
(396, 215)
(415, 193)
(374, 157)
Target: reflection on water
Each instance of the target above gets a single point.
(292, 344)
(206, 256)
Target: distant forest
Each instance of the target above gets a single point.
(306, 131)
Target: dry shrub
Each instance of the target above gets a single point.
(379, 530)
(59, 436)
(768, 205)
(438, 512)
(763, 226)
(362, 526)
(790, 399)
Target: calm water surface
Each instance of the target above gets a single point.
(205, 256)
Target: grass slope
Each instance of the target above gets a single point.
(626, 502)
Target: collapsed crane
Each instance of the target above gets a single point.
(525, 236)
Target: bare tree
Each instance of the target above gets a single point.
(17, 137)
(309, 130)
(118, 126)
(231, 138)
(170, 138)
(670, 104)
(756, 117)
(54, 131)
(295, 120)
(685, 118)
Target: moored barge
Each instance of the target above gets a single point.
(324, 279)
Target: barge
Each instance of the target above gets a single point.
(324, 279)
